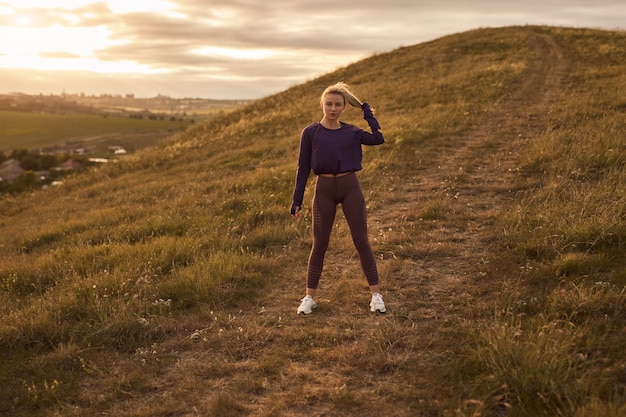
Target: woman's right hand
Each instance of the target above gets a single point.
(295, 210)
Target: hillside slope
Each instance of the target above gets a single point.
(167, 284)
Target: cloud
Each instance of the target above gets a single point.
(68, 55)
(256, 48)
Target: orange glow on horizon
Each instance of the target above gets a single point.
(39, 46)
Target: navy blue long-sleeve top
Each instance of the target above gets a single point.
(333, 151)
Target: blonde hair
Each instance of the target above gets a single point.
(343, 90)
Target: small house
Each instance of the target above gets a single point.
(11, 170)
(70, 164)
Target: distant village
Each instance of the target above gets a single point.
(22, 169)
(114, 104)
(25, 170)
(29, 169)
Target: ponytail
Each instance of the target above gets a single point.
(342, 89)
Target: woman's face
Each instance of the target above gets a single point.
(333, 105)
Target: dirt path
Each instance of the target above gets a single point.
(477, 179)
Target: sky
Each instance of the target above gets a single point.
(238, 49)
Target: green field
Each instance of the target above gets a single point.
(33, 130)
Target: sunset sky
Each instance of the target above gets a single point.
(238, 48)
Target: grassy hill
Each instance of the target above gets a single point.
(166, 284)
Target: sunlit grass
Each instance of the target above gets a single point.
(174, 264)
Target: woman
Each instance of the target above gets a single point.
(332, 149)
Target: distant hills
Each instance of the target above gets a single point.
(111, 103)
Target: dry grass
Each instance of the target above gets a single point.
(167, 284)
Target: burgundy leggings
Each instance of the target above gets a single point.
(329, 192)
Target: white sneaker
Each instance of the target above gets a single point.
(307, 305)
(377, 303)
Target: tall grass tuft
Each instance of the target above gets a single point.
(538, 367)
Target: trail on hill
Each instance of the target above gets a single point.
(478, 175)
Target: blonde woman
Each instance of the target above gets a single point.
(332, 149)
